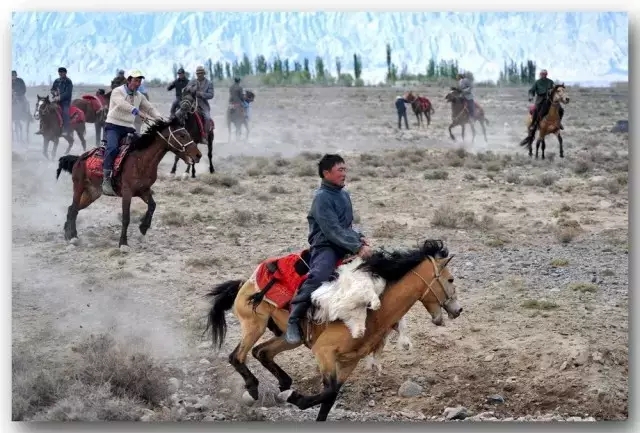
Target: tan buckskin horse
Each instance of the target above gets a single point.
(460, 115)
(550, 124)
(410, 276)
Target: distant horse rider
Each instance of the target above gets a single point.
(119, 80)
(204, 92)
(19, 92)
(125, 105)
(466, 88)
(178, 84)
(401, 108)
(540, 90)
(236, 93)
(62, 88)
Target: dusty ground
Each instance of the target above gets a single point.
(541, 263)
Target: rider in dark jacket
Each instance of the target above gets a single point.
(119, 80)
(19, 91)
(178, 84)
(236, 92)
(540, 90)
(331, 237)
(64, 87)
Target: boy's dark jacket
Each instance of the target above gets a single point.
(330, 220)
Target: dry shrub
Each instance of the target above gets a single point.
(512, 177)
(130, 375)
(582, 165)
(221, 180)
(567, 230)
(173, 218)
(449, 217)
(389, 229)
(436, 175)
(104, 382)
(278, 189)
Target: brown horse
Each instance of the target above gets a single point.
(408, 277)
(236, 115)
(95, 108)
(50, 116)
(135, 170)
(420, 105)
(460, 114)
(188, 112)
(550, 124)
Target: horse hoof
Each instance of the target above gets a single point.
(283, 396)
(124, 249)
(74, 241)
(247, 399)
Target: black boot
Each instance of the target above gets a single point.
(294, 332)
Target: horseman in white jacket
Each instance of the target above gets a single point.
(125, 105)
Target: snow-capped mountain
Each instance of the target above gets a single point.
(574, 47)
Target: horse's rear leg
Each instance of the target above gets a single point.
(265, 352)
(45, 147)
(332, 378)
(98, 129)
(81, 130)
(560, 143)
(253, 327)
(544, 145)
(210, 152)
(82, 198)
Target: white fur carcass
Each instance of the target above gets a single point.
(348, 297)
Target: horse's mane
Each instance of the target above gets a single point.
(150, 135)
(393, 265)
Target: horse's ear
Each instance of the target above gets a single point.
(447, 260)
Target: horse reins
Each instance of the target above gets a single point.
(429, 287)
(183, 147)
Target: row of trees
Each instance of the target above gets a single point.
(285, 71)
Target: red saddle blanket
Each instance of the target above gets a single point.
(283, 276)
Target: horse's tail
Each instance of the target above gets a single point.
(66, 163)
(223, 295)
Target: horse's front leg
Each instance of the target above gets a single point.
(126, 214)
(145, 222)
(210, 152)
(463, 127)
(451, 133)
(175, 165)
(98, 129)
(560, 143)
(473, 132)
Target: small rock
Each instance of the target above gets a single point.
(409, 389)
(224, 391)
(597, 357)
(372, 403)
(205, 361)
(210, 228)
(174, 384)
(580, 357)
(495, 398)
(205, 345)
(453, 413)
(564, 365)
(489, 358)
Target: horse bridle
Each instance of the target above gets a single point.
(47, 108)
(429, 286)
(172, 136)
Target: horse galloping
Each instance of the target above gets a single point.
(194, 123)
(403, 277)
(95, 108)
(20, 114)
(135, 170)
(460, 115)
(236, 114)
(420, 105)
(49, 114)
(550, 123)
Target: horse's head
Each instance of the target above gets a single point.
(439, 292)
(100, 92)
(43, 105)
(175, 135)
(453, 96)
(249, 96)
(188, 103)
(409, 97)
(559, 94)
